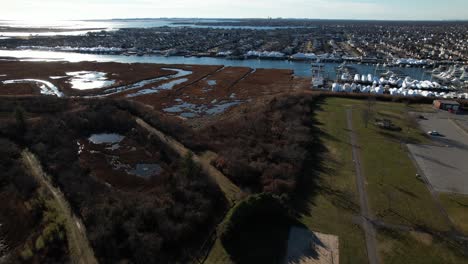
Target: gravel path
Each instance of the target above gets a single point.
(80, 250)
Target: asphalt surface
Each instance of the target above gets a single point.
(444, 163)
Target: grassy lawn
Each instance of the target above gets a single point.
(417, 248)
(332, 209)
(218, 254)
(457, 209)
(330, 204)
(395, 194)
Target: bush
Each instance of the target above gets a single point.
(39, 243)
(26, 253)
(265, 148)
(164, 222)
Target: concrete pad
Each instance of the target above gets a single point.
(445, 167)
(445, 164)
(308, 247)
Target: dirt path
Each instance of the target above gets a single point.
(78, 244)
(366, 215)
(226, 185)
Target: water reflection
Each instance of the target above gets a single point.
(300, 68)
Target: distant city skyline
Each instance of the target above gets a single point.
(46, 10)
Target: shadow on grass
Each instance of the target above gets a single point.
(399, 138)
(409, 193)
(260, 242)
(274, 242)
(308, 183)
(461, 204)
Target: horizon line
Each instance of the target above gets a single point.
(253, 18)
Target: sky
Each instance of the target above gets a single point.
(41, 10)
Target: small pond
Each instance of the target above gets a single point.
(105, 138)
(145, 171)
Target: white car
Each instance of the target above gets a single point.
(434, 133)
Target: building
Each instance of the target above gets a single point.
(448, 105)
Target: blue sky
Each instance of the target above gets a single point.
(324, 9)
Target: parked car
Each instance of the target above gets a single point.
(434, 133)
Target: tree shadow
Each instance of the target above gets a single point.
(399, 138)
(409, 193)
(308, 183)
(302, 244)
(436, 161)
(282, 241)
(262, 241)
(462, 204)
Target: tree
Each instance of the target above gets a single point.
(189, 167)
(368, 112)
(411, 122)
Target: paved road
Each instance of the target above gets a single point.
(80, 250)
(366, 215)
(445, 163)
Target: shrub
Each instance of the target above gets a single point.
(39, 243)
(26, 253)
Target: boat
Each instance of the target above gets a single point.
(318, 80)
(464, 76)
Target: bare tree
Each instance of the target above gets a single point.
(368, 112)
(3, 248)
(410, 121)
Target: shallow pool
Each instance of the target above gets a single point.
(86, 80)
(145, 170)
(105, 138)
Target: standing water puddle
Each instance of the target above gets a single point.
(189, 110)
(165, 86)
(46, 87)
(85, 80)
(141, 84)
(105, 138)
(145, 170)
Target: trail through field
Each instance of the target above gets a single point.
(78, 244)
(366, 215)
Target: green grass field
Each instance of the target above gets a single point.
(417, 248)
(333, 208)
(218, 254)
(396, 195)
(456, 206)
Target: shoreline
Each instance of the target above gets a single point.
(130, 53)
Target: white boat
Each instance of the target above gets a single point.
(464, 75)
(357, 77)
(317, 77)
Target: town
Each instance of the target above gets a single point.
(420, 44)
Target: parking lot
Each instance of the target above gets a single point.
(444, 163)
